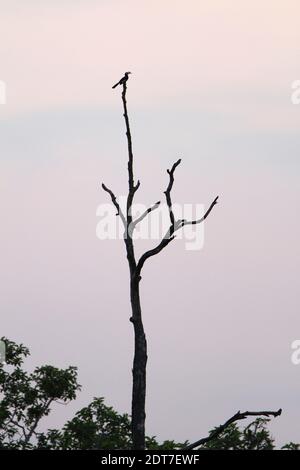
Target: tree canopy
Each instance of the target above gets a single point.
(27, 398)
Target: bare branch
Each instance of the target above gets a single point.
(181, 223)
(129, 140)
(238, 416)
(168, 195)
(198, 221)
(115, 203)
(174, 224)
(142, 216)
(130, 197)
(164, 242)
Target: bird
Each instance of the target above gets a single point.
(123, 79)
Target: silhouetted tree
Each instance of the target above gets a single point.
(135, 267)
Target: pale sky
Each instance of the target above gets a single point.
(211, 83)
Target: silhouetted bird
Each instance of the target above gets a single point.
(123, 79)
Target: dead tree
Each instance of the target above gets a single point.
(135, 267)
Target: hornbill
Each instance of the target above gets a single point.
(123, 79)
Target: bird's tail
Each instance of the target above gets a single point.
(115, 85)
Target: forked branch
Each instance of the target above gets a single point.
(174, 224)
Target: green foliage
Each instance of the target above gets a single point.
(96, 426)
(152, 444)
(27, 397)
(291, 446)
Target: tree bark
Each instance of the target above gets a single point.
(138, 414)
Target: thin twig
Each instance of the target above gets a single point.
(198, 221)
(115, 203)
(135, 222)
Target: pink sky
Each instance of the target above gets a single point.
(211, 83)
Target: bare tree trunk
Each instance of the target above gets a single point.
(139, 368)
(138, 402)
